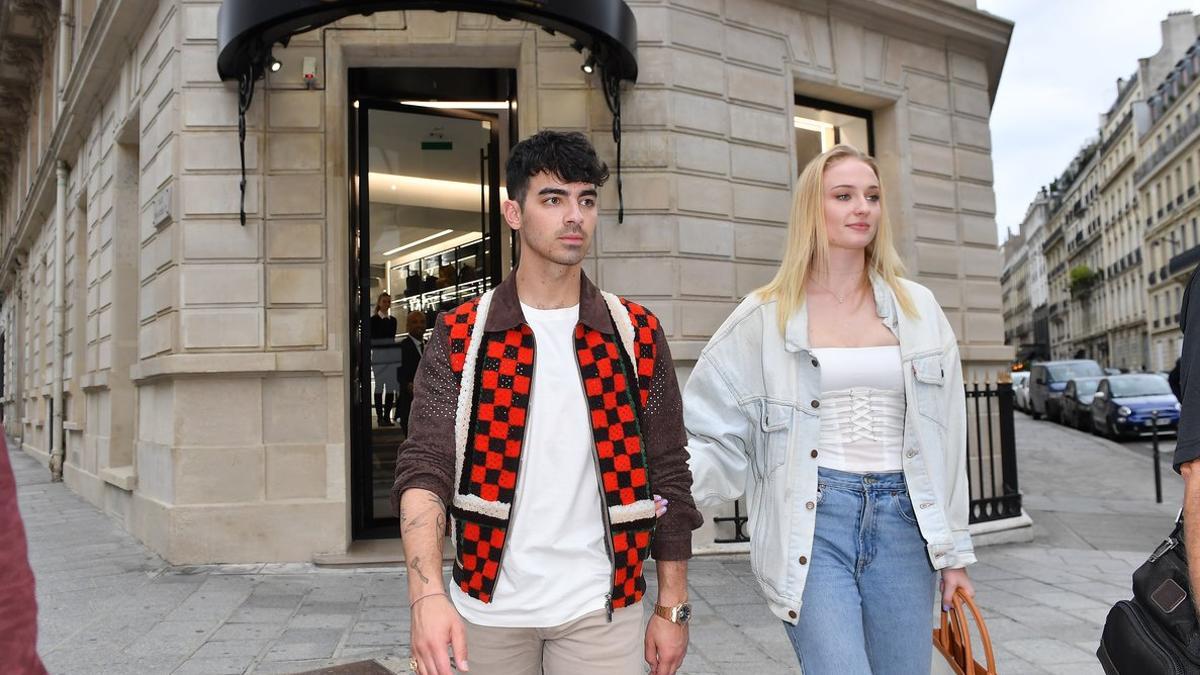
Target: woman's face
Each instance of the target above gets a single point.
(851, 197)
(383, 303)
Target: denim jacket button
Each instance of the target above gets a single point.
(791, 614)
(911, 453)
(813, 454)
(810, 506)
(803, 560)
(815, 363)
(816, 403)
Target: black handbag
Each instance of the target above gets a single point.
(1156, 631)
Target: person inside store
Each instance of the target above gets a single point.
(833, 399)
(385, 359)
(411, 348)
(543, 413)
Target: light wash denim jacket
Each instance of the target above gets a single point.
(753, 423)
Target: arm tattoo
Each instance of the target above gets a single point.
(415, 566)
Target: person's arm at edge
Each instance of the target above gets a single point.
(423, 486)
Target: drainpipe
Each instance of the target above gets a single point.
(58, 447)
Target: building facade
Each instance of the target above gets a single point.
(214, 378)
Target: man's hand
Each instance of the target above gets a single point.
(666, 645)
(436, 625)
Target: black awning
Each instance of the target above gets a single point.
(247, 29)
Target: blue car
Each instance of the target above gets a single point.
(1132, 405)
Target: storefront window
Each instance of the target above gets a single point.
(819, 126)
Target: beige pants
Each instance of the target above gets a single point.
(589, 645)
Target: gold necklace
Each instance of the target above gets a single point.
(841, 299)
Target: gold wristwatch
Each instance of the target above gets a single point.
(679, 614)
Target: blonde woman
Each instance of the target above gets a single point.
(833, 399)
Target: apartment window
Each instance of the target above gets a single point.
(820, 125)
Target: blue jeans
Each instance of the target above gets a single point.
(868, 601)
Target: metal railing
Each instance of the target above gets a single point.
(991, 462)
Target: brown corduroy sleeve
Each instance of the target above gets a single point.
(426, 458)
(666, 453)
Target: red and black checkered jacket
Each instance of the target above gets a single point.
(468, 422)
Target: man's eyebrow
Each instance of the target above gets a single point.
(552, 191)
(590, 192)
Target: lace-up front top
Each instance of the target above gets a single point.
(862, 408)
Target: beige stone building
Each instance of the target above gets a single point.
(214, 380)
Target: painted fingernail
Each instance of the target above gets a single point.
(945, 608)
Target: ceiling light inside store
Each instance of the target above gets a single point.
(386, 188)
(416, 243)
(459, 105)
(824, 128)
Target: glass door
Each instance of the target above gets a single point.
(426, 226)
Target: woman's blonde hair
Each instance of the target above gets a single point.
(808, 242)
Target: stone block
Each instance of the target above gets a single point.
(981, 262)
(294, 152)
(702, 319)
(929, 124)
(848, 44)
(756, 87)
(761, 164)
(971, 100)
(200, 22)
(643, 192)
(638, 149)
(977, 198)
(231, 328)
(973, 165)
(983, 327)
(294, 410)
(218, 475)
(703, 195)
(295, 328)
(295, 239)
(295, 194)
(968, 68)
(212, 108)
(700, 113)
(903, 55)
(706, 278)
(218, 412)
(638, 277)
(932, 158)
(255, 533)
(754, 47)
(212, 195)
(295, 471)
(563, 109)
(761, 203)
(982, 295)
(700, 153)
(156, 337)
(557, 67)
(199, 64)
(654, 66)
(431, 27)
(294, 109)
(929, 91)
(937, 259)
(698, 73)
(935, 192)
(638, 234)
(931, 224)
(972, 132)
(978, 229)
(207, 151)
(757, 126)
(652, 24)
(947, 293)
(220, 284)
(760, 242)
(751, 277)
(638, 107)
(704, 236)
(698, 32)
(221, 240)
(295, 284)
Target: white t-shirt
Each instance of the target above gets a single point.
(555, 566)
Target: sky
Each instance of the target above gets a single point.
(1060, 75)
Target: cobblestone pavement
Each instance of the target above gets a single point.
(108, 605)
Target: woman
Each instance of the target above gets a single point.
(385, 359)
(833, 398)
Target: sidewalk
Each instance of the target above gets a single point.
(108, 605)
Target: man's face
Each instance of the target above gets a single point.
(415, 324)
(556, 221)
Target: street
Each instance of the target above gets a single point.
(108, 605)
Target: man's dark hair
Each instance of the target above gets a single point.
(569, 156)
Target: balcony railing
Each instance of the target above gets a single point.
(1184, 261)
(1172, 142)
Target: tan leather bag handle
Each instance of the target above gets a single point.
(953, 638)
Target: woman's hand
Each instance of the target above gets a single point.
(954, 579)
(660, 506)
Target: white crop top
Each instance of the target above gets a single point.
(862, 408)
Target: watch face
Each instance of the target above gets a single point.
(685, 613)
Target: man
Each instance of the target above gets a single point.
(1187, 438)
(410, 357)
(543, 413)
(385, 355)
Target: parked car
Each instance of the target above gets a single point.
(1020, 386)
(1112, 371)
(1126, 405)
(1048, 380)
(1077, 402)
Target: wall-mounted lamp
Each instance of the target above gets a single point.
(273, 64)
(589, 66)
